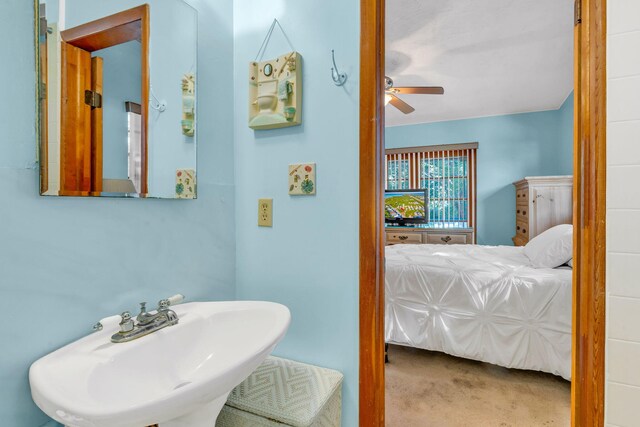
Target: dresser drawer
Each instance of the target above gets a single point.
(411, 238)
(520, 241)
(522, 229)
(447, 239)
(522, 196)
(522, 214)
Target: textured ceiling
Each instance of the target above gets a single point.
(493, 57)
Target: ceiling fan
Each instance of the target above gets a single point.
(390, 94)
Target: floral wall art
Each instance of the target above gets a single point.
(185, 184)
(302, 179)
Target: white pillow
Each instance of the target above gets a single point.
(552, 248)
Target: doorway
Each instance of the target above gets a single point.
(101, 63)
(589, 214)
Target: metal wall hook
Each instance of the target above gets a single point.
(155, 103)
(338, 78)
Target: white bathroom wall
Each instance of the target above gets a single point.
(623, 215)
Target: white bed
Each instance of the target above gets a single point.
(480, 302)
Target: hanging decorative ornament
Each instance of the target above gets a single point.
(275, 88)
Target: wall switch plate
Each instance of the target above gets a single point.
(265, 212)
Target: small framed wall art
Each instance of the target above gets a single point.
(186, 184)
(302, 179)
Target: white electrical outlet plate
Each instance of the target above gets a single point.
(265, 212)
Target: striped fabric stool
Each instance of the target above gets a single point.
(284, 393)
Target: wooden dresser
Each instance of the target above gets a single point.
(542, 202)
(437, 236)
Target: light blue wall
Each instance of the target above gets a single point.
(309, 259)
(65, 262)
(52, 9)
(510, 148)
(565, 150)
(122, 83)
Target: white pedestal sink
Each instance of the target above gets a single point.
(179, 376)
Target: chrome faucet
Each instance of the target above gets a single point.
(146, 323)
(143, 317)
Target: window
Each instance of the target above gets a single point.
(134, 125)
(398, 175)
(447, 172)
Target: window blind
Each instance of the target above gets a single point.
(448, 173)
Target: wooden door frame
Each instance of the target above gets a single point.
(587, 396)
(121, 27)
(372, 55)
(590, 103)
(43, 97)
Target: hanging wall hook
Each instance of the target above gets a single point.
(338, 78)
(157, 104)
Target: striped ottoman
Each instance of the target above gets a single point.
(281, 393)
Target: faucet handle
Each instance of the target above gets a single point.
(176, 299)
(143, 307)
(126, 322)
(164, 304)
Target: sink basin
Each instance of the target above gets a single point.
(179, 376)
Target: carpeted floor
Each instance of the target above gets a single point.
(425, 389)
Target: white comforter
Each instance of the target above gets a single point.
(480, 302)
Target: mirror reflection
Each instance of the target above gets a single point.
(118, 98)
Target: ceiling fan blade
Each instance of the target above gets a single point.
(401, 105)
(419, 90)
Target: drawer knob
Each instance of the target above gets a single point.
(524, 231)
(524, 212)
(403, 237)
(446, 239)
(518, 227)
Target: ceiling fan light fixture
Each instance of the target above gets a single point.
(391, 92)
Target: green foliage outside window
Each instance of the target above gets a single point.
(447, 182)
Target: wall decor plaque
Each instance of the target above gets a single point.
(302, 179)
(275, 92)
